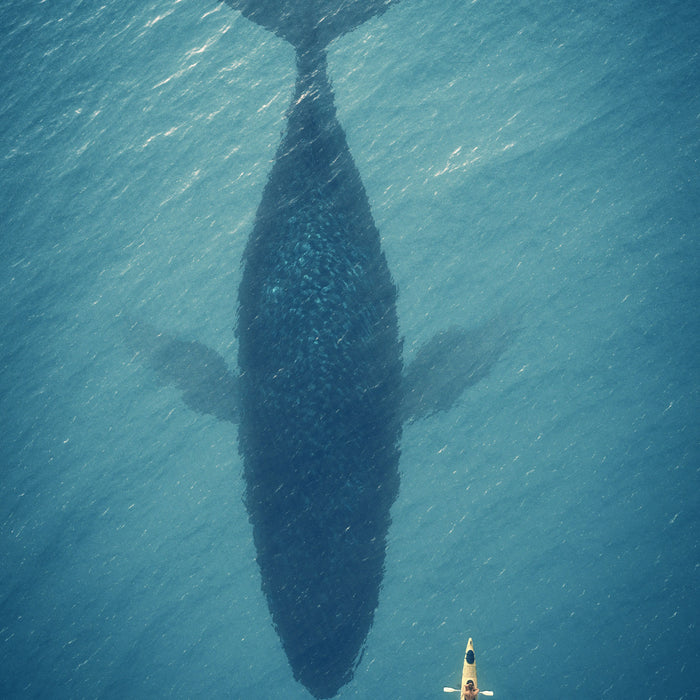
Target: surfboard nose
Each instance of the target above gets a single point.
(469, 656)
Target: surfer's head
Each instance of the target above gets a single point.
(470, 691)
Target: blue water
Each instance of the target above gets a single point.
(533, 162)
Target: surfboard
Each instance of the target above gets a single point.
(469, 668)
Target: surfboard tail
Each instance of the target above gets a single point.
(310, 23)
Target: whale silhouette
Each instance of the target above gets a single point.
(320, 395)
(320, 362)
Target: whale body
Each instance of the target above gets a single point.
(319, 396)
(320, 375)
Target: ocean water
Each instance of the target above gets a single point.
(533, 163)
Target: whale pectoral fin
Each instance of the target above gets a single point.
(207, 384)
(448, 364)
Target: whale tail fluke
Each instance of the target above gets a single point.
(315, 22)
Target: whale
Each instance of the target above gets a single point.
(320, 394)
(320, 370)
(320, 366)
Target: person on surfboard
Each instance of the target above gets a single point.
(470, 692)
